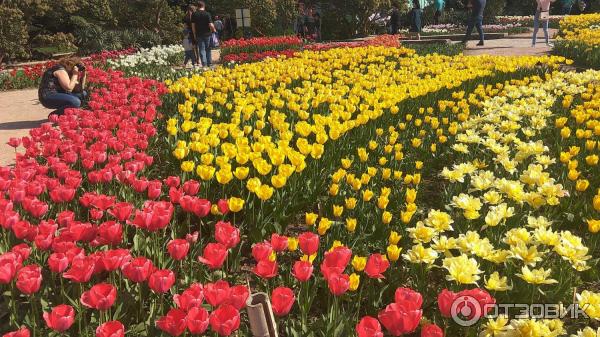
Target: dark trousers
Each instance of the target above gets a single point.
(475, 21)
(204, 50)
(189, 56)
(62, 101)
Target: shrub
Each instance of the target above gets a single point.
(13, 34)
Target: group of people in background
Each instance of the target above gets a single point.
(202, 33)
(476, 10)
(308, 23)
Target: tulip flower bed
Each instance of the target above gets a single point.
(365, 190)
(579, 39)
(156, 62)
(380, 40)
(260, 45)
(29, 76)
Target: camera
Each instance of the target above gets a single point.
(80, 66)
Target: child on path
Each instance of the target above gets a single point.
(189, 50)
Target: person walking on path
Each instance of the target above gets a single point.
(202, 28)
(542, 13)
(476, 20)
(189, 49)
(219, 26)
(394, 20)
(416, 17)
(439, 10)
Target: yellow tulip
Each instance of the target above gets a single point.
(354, 281)
(235, 204)
(351, 224)
(359, 263)
(393, 253)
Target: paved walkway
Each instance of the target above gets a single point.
(515, 45)
(19, 112)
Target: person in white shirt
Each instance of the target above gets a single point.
(542, 13)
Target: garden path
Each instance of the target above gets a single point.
(20, 111)
(515, 45)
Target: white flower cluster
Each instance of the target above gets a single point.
(159, 55)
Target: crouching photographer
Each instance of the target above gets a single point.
(62, 86)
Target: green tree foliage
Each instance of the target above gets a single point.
(347, 18)
(102, 24)
(269, 17)
(13, 34)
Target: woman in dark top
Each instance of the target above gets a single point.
(58, 83)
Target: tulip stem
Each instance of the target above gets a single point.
(13, 303)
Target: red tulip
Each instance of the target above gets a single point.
(109, 233)
(14, 142)
(64, 218)
(111, 329)
(225, 320)
(175, 195)
(192, 237)
(173, 181)
(173, 323)
(279, 242)
(58, 262)
(338, 284)
(60, 318)
(100, 297)
(369, 327)
(377, 264)
(197, 320)
(114, 259)
(399, 320)
(432, 330)
(82, 268)
(308, 242)
(8, 267)
(22, 250)
(161, 280)
(217, 293)
(445, 300)
(335, 261)
(154, 189)
(223, 206)
(238, 295)
(226, 234)
(408, 298)
(302, 270)
(155, 216)
(201, 207)
(191, 187)
(483, 298)
(29, 279)
(121, 211)
(282, 300)
(262, 251)
(23, 332)
(214, 255)
(191, 297)
(178, 249)
(96, 214)
(266, 269)
(138, 269)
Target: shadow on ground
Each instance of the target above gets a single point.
(20, 125)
